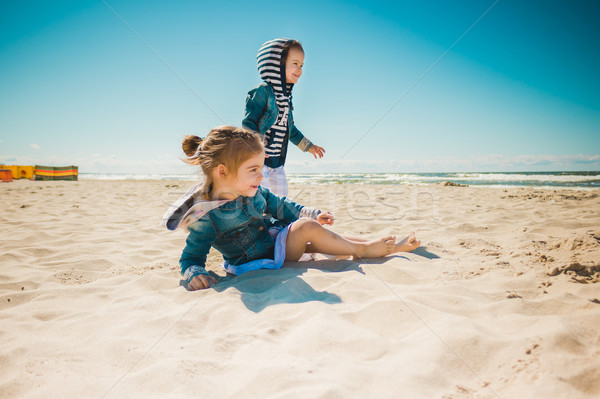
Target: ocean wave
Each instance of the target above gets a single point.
(488, 179)
(546, 179)
(533, 177)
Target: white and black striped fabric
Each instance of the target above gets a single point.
(273, 72)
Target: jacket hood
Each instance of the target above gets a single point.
(271, 67)
(188, 209)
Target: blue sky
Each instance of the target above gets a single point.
(114, 86)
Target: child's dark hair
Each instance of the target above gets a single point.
(227, 145)
(286, 49)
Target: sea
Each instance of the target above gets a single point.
(574, 180)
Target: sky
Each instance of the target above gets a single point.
(432, 86)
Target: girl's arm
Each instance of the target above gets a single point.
(282, 208)
(197, 245)
(298, 139)
(256, 101)
(305, 144)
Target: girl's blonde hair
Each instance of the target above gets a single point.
(227, 145)
(285, 51)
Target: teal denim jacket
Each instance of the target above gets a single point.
(238, 229)
(261, 113)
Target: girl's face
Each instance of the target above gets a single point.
(249, 176)
(293, 65)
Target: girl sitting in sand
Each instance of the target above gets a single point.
(251, 227)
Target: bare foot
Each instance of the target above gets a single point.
(410, 243)
(378, 248)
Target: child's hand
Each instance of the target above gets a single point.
(316, 151)
(201, 282)
(325, 218)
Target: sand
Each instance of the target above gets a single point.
(502, 300)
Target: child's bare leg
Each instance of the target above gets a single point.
(311, 250)
(409, 243)
(325, 241)
(354, 238)
(308, 234)
(347, 237)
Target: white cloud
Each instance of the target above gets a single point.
(35, 146)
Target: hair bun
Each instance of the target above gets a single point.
(191, 145)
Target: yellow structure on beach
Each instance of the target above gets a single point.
(20, 171)
(39, 172)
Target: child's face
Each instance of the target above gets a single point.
(293, 65)
(249, 176)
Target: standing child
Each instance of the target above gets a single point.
(269, 109)
(251, 227)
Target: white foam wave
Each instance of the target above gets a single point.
(558, 179)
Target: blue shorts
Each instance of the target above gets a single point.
(276, 263)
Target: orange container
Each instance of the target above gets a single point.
(6, 175)
(13, 168)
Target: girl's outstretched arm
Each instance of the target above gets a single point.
(193, 259)
(281, 208)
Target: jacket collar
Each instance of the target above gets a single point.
(188, 209)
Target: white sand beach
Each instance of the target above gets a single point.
(501, 301)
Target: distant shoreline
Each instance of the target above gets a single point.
(561, 179)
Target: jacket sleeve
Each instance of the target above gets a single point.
(197, 245)
(286, 210)
(256, 102)
(298, 138)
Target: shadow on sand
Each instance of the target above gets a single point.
(263, 288)
(422, 251)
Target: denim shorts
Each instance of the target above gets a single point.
(276, 263)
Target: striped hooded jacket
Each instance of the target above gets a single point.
(269, 106)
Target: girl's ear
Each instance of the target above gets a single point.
(221, 170)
